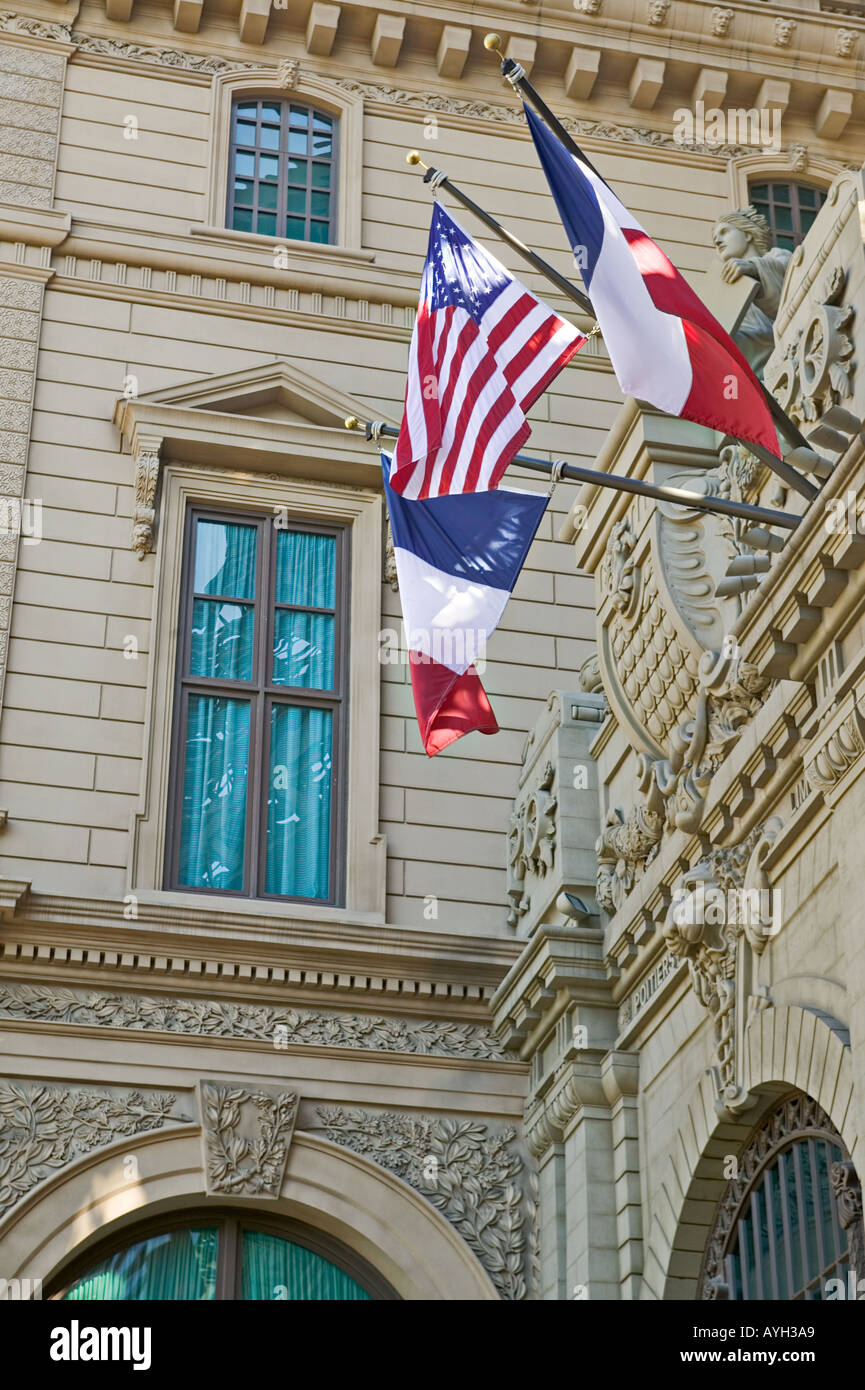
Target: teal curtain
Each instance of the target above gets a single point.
(303, 649)
(305, 569)
(298, 802)
(277, 1269)
(213, 825)
(223, 633)
(175, 1265)
(303, 643)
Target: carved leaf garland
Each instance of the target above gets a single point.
(467, 1171)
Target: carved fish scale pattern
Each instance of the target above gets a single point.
(657, 676)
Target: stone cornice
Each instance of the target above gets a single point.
(351, 958)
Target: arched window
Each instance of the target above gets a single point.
(781, 1231)
(282, 179)
(207, 1257)
(789, 208)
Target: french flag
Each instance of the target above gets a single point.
(457, 560)
(665, 346)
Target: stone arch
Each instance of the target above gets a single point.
(788, 1047)
(328, 1187)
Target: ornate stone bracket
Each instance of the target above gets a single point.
(720, 918)
(146, 455)
(468, 1170)
(246, 1137)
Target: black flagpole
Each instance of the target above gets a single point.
(441, 180)
(764, 516)
(515, 75)
(438, 179)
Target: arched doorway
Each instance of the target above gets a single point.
(217, 1254)
(785, 1228)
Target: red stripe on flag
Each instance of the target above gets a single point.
(747, 417)
(448, 706)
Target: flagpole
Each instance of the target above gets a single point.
(765, 516)
(515, 75)
(439, 179)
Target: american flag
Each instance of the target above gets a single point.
(483, 350)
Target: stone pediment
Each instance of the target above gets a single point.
(278, 391)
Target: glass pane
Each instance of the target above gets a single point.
(298, 142)
(808, 1214)
(826, 1200)
(321, 176)
(295, 228)
(788, 1189)
(305, 569)
(759, 190)
(320, 232)
(247, 108)
(222, 639)
(225, 559)
(265, 224)
(241, 220)
(773, 1199)
(176, 1265)
(242, 191)
(269, 137)
(299, 117)
(275, 1268)
(244, 165)
(320, 204)
(781, 192)
(271, 111)
(322, 145)
(761, 1234)
(786, 243)
(297, 172)
(303, 649)
(746, 1254)
(807, 220)
(807, 197)
(296, 201)
(213, 823)
(267, 194)
(784, 219)
(322, 122)
(245, 133)
(298, 802)
(268, 166)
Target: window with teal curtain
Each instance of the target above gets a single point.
(176, 1265)
(273, 1268)
(259, 737)
(200, 1263)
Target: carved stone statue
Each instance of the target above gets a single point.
(743, 242)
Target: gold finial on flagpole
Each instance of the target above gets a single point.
(413, 157)
(352, 422)
(493, 43)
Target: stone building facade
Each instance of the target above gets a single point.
(517, 1039)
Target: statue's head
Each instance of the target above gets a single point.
(740, 234)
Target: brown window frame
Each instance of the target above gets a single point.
(797, 234)
(230, 1226)
(262, 694)
(282, 155)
